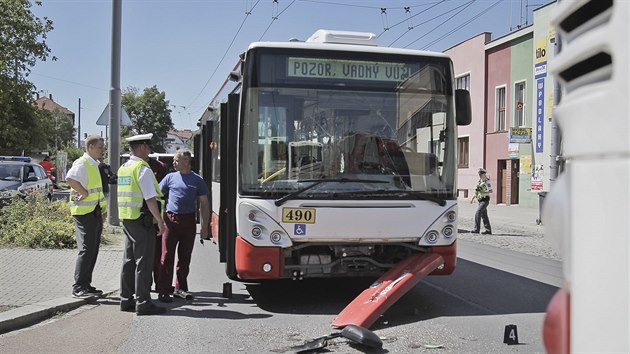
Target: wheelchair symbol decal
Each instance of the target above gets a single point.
(299, 229)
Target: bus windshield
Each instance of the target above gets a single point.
(309, 115)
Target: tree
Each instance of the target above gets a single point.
(60, 131)
(149, 113)
(22, 44)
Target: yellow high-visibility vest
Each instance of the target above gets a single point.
(130, 198)
(95, 192)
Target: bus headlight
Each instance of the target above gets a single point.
(256, 232)
(431, 236)
(275, 237)
(443, 231)
(256, 225)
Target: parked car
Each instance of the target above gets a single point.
(20, 177)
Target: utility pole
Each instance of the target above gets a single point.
(56, 133)
(79, 126)
(114, 111)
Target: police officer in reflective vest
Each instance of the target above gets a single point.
(138, 208)
(87, 205)
(482, 194)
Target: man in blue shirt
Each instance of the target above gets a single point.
(186, 192)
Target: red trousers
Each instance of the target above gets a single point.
(179, 235)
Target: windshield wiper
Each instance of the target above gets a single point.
(292, 195)
(418, 194)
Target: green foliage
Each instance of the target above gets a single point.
(22, 44)
(73, 152)
(149, 113)
(59, 129)
(37, 224)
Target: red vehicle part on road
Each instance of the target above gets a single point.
(365, 309)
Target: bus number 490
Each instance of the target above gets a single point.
(301, 215)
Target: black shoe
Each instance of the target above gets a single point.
(128, 305)
(149, 309)
(80, 293)
(94, 291)
(474, 231)
(165, 298)
(487, 232)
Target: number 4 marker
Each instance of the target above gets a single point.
(510, 336)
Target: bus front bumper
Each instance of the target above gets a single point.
(258, 262)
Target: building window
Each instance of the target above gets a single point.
(463, 82)
(462, 149)
(499, 121)
(519, 104)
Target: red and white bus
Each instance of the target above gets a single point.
(334, 157)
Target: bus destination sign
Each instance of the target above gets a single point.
(321, 68)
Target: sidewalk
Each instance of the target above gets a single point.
(514, 227)
(502, 216)
(36, 284)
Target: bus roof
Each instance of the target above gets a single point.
(345, 47)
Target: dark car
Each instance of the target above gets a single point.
(20, 177)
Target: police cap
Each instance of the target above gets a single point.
(481, 170)
(140, 139)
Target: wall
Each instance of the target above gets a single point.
(498, 74)
(469, 58)
(523, 70)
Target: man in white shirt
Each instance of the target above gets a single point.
(87, 204)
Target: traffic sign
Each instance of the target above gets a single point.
(104, 118)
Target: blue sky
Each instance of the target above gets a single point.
(187, 47)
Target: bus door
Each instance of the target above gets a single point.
(227, 203)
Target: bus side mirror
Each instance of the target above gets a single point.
(463, 111)
(234, 76)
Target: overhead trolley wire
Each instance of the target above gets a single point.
(465, 6)
(409, 28)
(274, 18)
(247, 13)
(462, 25)
(359, 6)
(410, 17)
(227, 79)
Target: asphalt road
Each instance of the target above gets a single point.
(464, 312)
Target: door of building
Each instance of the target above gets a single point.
(502, 181)
(514, 181)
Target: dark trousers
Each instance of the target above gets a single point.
(180, 234)
(89, 228)
(137, 266)
(157, 259)
(482, 214)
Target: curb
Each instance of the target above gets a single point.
(29, 315)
